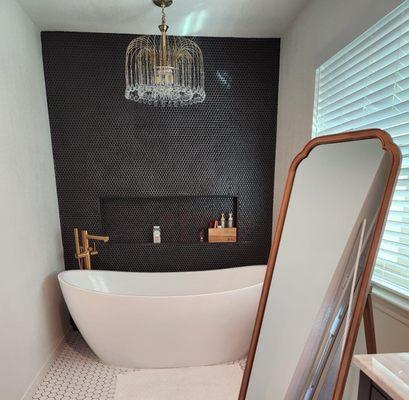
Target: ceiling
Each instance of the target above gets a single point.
(235, 18)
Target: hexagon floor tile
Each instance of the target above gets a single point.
(77, 374)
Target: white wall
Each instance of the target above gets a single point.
(392, 326)
(32, 315)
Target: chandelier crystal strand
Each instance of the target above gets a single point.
(165, 71)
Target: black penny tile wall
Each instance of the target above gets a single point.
(122, 167)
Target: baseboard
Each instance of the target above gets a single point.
(44, 369)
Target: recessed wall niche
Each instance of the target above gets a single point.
(181, 218)
(116, 160)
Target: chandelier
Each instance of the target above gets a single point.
(163, 70)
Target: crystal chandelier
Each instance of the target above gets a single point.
(162, 70)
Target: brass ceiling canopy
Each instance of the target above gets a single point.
(163, 3)
(162, 70)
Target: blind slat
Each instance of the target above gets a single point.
(389, 239)
(363, 97)
(395, 247)
(364, 107)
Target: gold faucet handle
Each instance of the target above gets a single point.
(84, 251)
(93, 250)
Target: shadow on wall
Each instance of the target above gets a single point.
(56, 312)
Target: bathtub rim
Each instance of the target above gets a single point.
(61, 281)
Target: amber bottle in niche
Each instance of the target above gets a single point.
(222, 221)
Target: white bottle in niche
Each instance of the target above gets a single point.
(156, 234)
(230, 221)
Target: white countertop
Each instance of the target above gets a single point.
(389, 371)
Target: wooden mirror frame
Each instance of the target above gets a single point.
(363, 286)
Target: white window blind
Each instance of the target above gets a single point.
(366, 85)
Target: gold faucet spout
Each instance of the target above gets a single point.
(99, 238)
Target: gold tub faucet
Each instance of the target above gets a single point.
(84, 251)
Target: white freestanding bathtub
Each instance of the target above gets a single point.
(158, 320)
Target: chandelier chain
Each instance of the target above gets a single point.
(163, 14)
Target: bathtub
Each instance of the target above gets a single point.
(171, 319)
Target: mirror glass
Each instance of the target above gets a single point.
(334, 202)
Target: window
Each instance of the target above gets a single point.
(366, 85)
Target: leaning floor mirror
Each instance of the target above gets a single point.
(330, 224)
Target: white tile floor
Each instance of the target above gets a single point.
(77, 374)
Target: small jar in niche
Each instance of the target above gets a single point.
(156, 234)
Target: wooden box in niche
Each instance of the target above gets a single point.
(222, 235)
